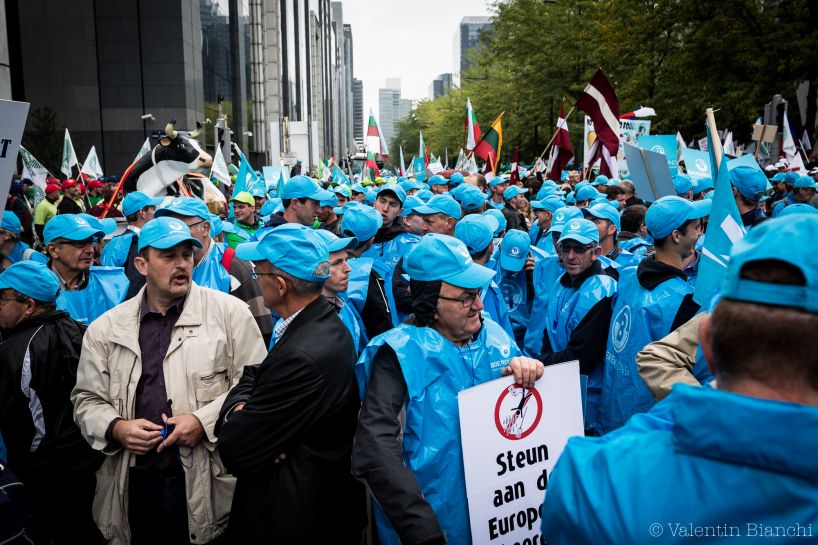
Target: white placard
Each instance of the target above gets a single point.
(12, 122)
(512, 437)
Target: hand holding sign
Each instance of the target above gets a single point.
(525, 370)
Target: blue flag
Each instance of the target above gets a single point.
(419, 169)
(338, 176)
(246, 179)
(723, 230)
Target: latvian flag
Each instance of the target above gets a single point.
(562, 152)
(598, 100)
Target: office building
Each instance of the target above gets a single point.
(440, 86)
(466, 39)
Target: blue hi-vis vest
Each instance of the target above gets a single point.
(567, 307)
(210, 272)
(435, 370)
(782, 204)
(106, 288)
(23, 252)
(352, 319)
(359, 285)
(638, 246)
(390, 252)
(640, 317)
(514, 289)
(626, 259)
(494, 306)
(115, 252)
(544, 241)
(546, 272)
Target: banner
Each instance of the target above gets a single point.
(512, 438)
(629, 132)
(14, 116)
(697, 164)
(664, 144)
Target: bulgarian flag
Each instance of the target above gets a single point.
(472, 128)
(371, 166)
(374, 137)
(490, 146)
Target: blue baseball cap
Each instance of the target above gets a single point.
(476, 232)
(258, 190)
(408, 185)
(32, 279)
(781, 240)
(779, 177)
(396, 190)
(335, 243)
(358, 188)
(217, 226)
(514, 250)
(601, 180)
(272, 206)
(548, 191)
(795, 208)
(502, 223)
(184, 206)
(702, 184)
(164, 232)
(581, 230)
(456, 179)
(425, 195)
(343, 190)
(332, 200)
(437, 179)
(471, 198)
(669, 213)
(804, 182)
(303, 187)
(586, 193)
(444, 258)
(136, 201)
(457, 191)
(791, 177)
(409, 206)
(360, 221)
(749, 182)
(294, 248)
(106, 225)
(562, 216)
(11, 222)
(571, 198)
(497, 180)
(551, 203)
(512, 191)
(70, 227)
(606, 212)
(441, 204)
(682, 183)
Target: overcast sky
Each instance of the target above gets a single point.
(408, 39)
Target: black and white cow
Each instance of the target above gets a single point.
(177, 153)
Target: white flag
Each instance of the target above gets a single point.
(401, 165)
(91, 165)
(144, 150)
(69, 156)
(728, 147)
(33, 169)
(680, 147)
(219, 168)
(805, 143)
(790, 149)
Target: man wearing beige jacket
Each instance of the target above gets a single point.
(153, 374)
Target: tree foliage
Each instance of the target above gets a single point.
(677, 56)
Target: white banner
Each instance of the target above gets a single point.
(512, 438)
(91, 165)
(12, 122)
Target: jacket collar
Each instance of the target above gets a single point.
(567, 281)
(744, 431)
(308, 314)
(652, 273)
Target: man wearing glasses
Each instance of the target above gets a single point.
(152, 377)
(409, 378)
(649, 305)
(578, 314)
(86, 291)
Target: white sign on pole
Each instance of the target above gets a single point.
(12, 122)
(512, 438)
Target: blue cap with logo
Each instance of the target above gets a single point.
(581, 230)
(70, 227)
(11, 223)
(551, 203)
(604, 211)
(669, 213)
(335, 243)
(682, 183)
(360, 221)
(303, 187)
(804, 182)
(106, 225)
(184, 206)
(437, 179)
(512, 191)
(397, 191)
(476, 231)
(164, 232)
(471, 198)
(444, 258)
(562, 216)
(136, 201)
(514, 250)
(441, 204)
(750, 182)
(778, 239)
(502, 223)
(796, 208)
(456, 179)
(586, 193)
(32, 279)
(294, 248)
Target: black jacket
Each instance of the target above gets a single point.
(302, 400)
(652, 272)
(514, 220)
(39, 368)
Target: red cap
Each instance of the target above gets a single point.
(51, 188)
(94, 184)
(70, 182)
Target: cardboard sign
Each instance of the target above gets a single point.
(664, 144)
(512, 438)
(697, 164)
(12, 122)
(649, 173)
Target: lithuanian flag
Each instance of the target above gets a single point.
(491, 143)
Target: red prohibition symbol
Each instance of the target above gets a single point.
(518, 412)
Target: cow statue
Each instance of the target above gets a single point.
(177, 153)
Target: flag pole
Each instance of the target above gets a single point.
(484, 135)
(714, 136)
(555, 133)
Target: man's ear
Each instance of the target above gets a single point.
(597, 250)
(141, 265)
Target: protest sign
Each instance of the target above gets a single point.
(664, 144)
(697, 164)
(649, 173)
(512, 438)
(13, 116)
(746, 161)
(629, 132)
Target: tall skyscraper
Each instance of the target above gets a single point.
(440, 86)
(358, 112)
(465, 39)
(392, 108)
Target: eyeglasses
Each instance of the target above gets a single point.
(79, 244)
(255, 274)
(465, 302)
(4, 300)
(194, 224)
(565, 249)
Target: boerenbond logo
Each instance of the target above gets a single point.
(701, 166)
(658, 149)
(621, 330)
